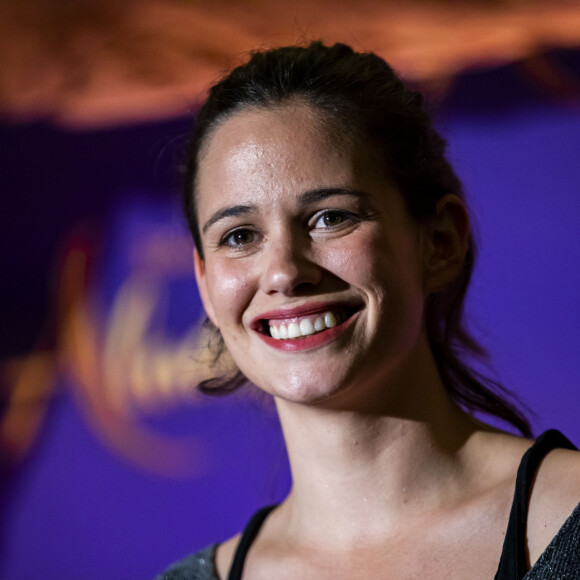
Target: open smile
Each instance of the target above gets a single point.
(299, 327)
(305, 327)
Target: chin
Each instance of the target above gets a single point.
(306, 388)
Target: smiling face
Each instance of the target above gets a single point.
(313, 270)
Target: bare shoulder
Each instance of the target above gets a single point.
(555, 491)
(497, 455)
(555, 494)
(225, 554)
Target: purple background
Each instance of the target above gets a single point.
(75, 508)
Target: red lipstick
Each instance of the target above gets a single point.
(344, 312)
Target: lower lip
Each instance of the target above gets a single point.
(308, 342)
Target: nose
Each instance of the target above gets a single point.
(288, 267)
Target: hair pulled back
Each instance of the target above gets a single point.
(359, 96)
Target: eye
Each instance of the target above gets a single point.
(238, 238)
(332, 218)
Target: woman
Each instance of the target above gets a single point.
(333, 253)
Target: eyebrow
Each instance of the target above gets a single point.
(232, 211)
(314, 195)
(309, 196)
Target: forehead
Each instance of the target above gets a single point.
(255, 127)
(275, 149)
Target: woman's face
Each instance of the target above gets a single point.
(313, 270)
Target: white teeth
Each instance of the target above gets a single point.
(306, 327)
(329, 320)
(293, 330)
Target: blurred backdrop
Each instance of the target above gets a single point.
(111, 465)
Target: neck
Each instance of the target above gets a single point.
(360, 472)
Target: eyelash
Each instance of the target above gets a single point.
(224, 242)
(346, 216)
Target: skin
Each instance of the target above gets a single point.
(391, 479)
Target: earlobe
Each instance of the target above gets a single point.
(201, 279)
(447, 243)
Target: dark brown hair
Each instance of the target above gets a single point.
(361, 96)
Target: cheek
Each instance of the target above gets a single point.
(359, 262)
(228, 290)
(386, 270)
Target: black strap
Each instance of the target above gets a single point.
(513, 564)
(248, 536)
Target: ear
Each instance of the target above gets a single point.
(201, 279)
(447, 243)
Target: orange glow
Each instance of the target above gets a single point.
(32, 381)
(104, 62)
(118, 373)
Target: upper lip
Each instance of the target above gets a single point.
(303, 310)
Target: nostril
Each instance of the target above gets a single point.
(288, 268)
